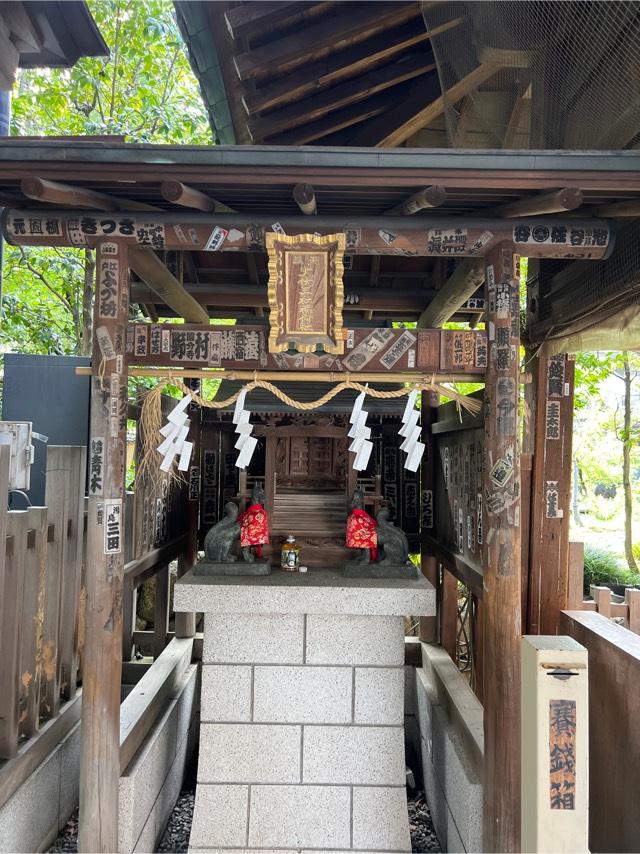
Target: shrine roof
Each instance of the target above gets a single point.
(261, 400)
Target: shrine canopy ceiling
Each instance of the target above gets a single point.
(496, 74)
(414, 221)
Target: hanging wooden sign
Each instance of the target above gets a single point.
(305, 292)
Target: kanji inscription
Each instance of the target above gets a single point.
(562, 754)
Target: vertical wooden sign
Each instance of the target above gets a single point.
(102, 661)
(501, 536)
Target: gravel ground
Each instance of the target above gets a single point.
(423, 835)
(68, 837)
(176, 836)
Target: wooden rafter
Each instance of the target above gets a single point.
(151, 270)
(521, 105)
(144, 262)
(359, 59)
(430, 197)
(567, 199)
(419, 108)
(462, 284)
(56, 193)
(304, 196)
(629, 209)
(188, 197)
(339, 96)
(338, 120)
(250, 18)
(339, 31)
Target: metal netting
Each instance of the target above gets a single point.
(539, 74)
(583, 293)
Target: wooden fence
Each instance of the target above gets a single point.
(624, 610)
(41, 562)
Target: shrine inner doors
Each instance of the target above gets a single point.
(311, 462)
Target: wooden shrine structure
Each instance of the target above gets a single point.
(182, 233)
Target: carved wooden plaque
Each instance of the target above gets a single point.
(305, 292)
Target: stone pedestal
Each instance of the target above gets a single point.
(301, 738)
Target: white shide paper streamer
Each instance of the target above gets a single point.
(175, 433)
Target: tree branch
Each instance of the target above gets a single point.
(35, 272)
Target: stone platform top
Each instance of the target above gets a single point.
(319, 591)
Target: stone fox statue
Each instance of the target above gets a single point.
(395, 546)
(221, 537)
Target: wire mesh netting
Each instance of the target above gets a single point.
(548, 74)
(583, 294)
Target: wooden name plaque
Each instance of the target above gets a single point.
(305, 292)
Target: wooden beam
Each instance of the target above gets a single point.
(180, 194)
(304, 196)
(521, 104)
(630, 209)
(342, 95)
(501, 559)
(142, 706)
(457, 564)
(298, 376)
(330, 71)
(33, 753)
(462, 284)
(339, 31)
(146, 264)
(419, 108)
(56, 193)
(567, 199)
(430, 197)
(102, 658)
(365, 235)
(407, 300)
(336, 121)
(551, 493)
(250, 18)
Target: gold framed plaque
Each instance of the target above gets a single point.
(306, 292)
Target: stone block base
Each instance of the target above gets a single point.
(301, 737)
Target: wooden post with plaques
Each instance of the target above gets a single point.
(428, 562)
(185, 622)
(501, 604)
(102, 660)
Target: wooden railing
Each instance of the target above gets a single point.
(41, 631)
(624, 610)
(614, 735)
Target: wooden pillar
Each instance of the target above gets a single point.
(102, 660)
(501, 557)
(428, 563)
(449, 613)
(269, 473)
(551, 493)
(185, 623)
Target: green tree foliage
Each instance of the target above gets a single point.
(145, 91)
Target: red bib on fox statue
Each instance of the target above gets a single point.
(361, 532)
(254, 528)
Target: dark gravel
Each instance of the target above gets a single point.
(68, 837)
(176, 836)
(423, 835)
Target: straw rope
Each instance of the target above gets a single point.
(151, 413)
